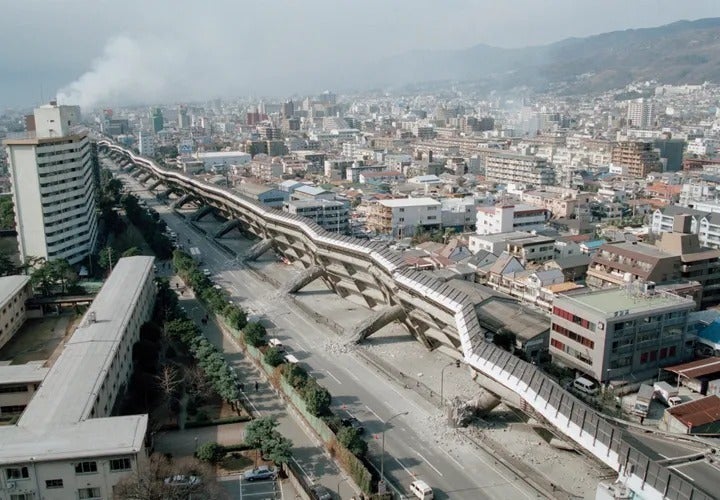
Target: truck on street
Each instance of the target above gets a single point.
(667, 394)
(642, 402)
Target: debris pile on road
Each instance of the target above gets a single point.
(461, 412)
(339, 347)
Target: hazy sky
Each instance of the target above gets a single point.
(99, 52)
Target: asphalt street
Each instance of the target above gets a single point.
(413, 448)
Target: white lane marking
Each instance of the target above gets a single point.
(426, 461)
(352, 374)
(334, 377)
(310, 478)
(251, 403)
(509, 481)
(453, 459)
(348, 412)
(406, 469)
(376, 415)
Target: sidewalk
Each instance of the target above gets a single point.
(307, 454)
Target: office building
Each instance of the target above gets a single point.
(637, 158)
(504, 168)
(671, 153)
(54, 187)
(617, 333)
(404, 217)
(641, 113)
(67, 444)
(332, 215)
(158, 122)
(183, 118)
(14, 291)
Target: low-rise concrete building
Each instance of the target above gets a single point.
(619, 333)
(266, 195)
(506, 218)
(67, 444)
(402, 217)
(14, 291)
(18, 384)
(329, 214)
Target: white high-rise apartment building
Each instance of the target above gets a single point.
(146, 144)
(641, 113)
(53, 186)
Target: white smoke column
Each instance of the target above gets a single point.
(129, 71)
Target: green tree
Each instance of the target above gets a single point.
(7, 266)
(210, 452)
(254, 334)
(262, 434)
(235, 316)
(317, 399)
(273, 357)
(107, 258)
(296, 376)
(7, 213)
(131, 252)
(42, 279)
(260, 430)
(277, 448)
(61, 271)
(351, 439)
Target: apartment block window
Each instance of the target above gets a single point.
(85, 467)
(17, 473)
(54, 483)
(119, 464)
(22, 496)
(86, 493)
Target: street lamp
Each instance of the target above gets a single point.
(382, 457)
(442, 377)
(338, 485)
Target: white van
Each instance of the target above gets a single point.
(421, 490)
(289, 358)
(277, 344)
(584, 385)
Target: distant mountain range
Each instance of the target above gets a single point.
(681, 52)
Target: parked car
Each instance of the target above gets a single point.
(320, 492)
(182, 480)
(354, 423)
(207, 272)
(261, 473)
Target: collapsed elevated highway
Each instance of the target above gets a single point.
(436, 314)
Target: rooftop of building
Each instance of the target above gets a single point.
(33, 372)
(315, 203)
(700, 368)
(68, 392)
(638, 248)
(609, 301)
(57, 424)
(410, 202)
(221, 154)
(11, 285)
(250, 188)
(311, 190)
(697, 412)
(500, 237)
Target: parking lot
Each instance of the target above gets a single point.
(256, 490)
